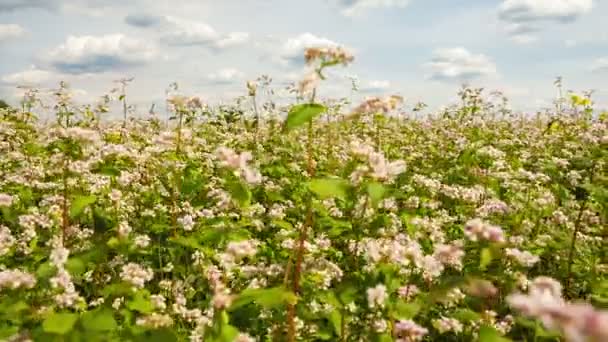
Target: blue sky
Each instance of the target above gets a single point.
(423, 50)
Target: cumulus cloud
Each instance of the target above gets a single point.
(10, 31)
(459, 64)
(356, 7)
(600, 64)
(523, 17)
(179, 31)
(30, 77)
(95, 54)
(226, 76)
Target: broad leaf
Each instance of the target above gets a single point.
(268, 298)
(80, 203)
(485, 258)
(329, 188)
(300, 114)
(99, 320)
(59, 323)
(141, 302)
(489, 334)
(376, 192)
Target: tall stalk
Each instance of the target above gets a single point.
(308, 223)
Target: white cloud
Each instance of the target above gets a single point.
(33, 76)
(534, 10)
(13, 5)
(292, 50)
(459, 64)
(94, 54)
(376, 86)
(82, 6)
(226, 76)
(524, 38)
(232, 39)
(10, 31)
(523, 17)
(180, 31)
(356, 7)
(600, 64)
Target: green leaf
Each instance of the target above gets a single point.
(141, 302)
(301, 114)
(45, 270)
(161, 335)
(329, 188)
(335, 317)
(405, 310)
(75, 266)
(485, 258)
(229, 333)
(376, 192)
(267, 298)
(239, 192)
(489, 334)
(79, 203)
(99, 320)
(189, 242)
(59, 323)
(466, 315)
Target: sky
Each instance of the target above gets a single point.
(423, 50)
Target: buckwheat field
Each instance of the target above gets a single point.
(317, 220)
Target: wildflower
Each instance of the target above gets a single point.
(450, 255)
(124, 229)
(159, 302)
(7, 241)
(251, 88)
(221, 300)
(407, 331)
(136, 274)
(186, 222)
(244, 338)
(524, 258)
(238, 162)
(445, 324)
(333, 54)
(408, 291)
(155, 321)
(380, 325)
(242, 249)
(477, 230)
(6, 200)
(141, 241)
(376, 296)
(375, 105)
(14, 279)
(309, 83)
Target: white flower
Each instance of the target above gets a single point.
(155, 321)
(6, 200)
(524, 258)
(186, 222)
(407, 330)
(136, 274)
(124, 229)
(142, 241)
(14, 279)
(376, 296)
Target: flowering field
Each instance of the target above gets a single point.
(328, 224)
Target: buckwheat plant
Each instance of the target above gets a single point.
(313, 221)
